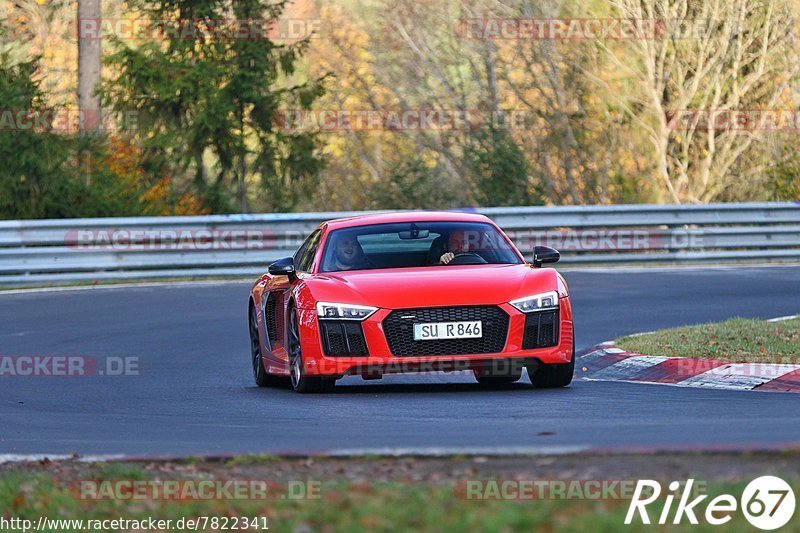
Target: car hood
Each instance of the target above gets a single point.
(400, 288)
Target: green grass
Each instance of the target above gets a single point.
(736, 340)
(388, 506)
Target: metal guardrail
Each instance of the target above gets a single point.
(41, 252)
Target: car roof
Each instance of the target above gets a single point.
(406, 216)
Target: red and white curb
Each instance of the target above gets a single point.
(606, 362)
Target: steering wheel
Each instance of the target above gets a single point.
(467, 258)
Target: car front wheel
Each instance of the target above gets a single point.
(301, 382)
(552, 376)
(260, 374)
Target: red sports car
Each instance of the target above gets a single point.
(411, 292)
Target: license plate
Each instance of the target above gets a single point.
(448, 330)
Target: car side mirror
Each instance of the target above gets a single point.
(545, 254)
(283, 267)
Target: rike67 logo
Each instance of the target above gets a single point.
(767, 502)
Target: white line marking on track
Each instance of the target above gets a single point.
(27, 458)
(143, 285)
(446, 451)
(612, 269)
(640, 334)
(783, 318)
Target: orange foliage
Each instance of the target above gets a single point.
(157, 197)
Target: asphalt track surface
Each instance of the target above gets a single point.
(195, 395)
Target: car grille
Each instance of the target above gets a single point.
(399, 331)
(342, 338)
(541, 330)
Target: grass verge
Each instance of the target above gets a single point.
(736, 340)
(348, 507)
(395, 499)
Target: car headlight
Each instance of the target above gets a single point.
(537, 302)
(334, 311)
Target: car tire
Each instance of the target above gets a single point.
(554, 375)
(301, 382)
(260, 374)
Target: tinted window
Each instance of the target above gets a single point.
(299, 255)
(391, 242)
(418, 244)
(307, 258)
(301, 251)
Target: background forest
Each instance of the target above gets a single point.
(196, 124)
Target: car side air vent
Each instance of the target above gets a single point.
(271, 319)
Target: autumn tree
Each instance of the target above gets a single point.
(205, 101)
(543, 130)
(707, 59)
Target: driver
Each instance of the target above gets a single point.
(457, 242)
(348, 254)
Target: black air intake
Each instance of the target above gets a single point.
(541, 330)
(341, 338)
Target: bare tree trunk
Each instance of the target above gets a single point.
(89, 63)
(244, 206)
(89, 70)
(242, 172)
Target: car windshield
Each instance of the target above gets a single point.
(416, 244)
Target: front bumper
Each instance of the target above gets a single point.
(381, 361)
